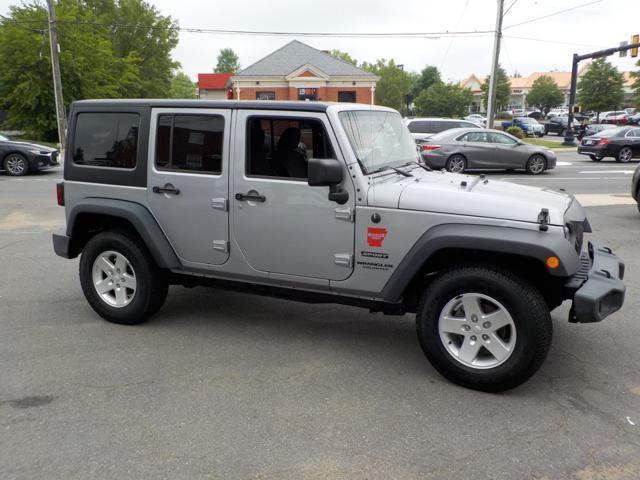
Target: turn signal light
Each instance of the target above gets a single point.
(426, 147)
(60, 193)
(553, 262)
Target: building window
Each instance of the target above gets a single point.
(190, 143)
(307, 94)
(280, 147)
(349, 96)
(265, 95)
(106, 139)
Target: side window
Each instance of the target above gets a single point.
(190, 143)
(477, 137)
(265, 95)
(502, 139)
(419, 126)
(441, 126)
(347, 96)
(106, 139)
(280, 147)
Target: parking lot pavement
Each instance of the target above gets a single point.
(226, 385)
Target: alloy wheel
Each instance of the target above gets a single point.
(114, 279)
(625, 155)
(536, 164)
(15, 165)
(477, 331)
(456, 164)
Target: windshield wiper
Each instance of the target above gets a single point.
(401, 172)
(422, 166)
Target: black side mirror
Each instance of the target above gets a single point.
(323, 172)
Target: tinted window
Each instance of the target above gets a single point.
(106, 139)
(349, 96)
(281, 147)
(635, 133)
(190, 143)
(420, 126)
(502, 139)
(265, 95)
(475, 137)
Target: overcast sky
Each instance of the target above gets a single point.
(601, 25)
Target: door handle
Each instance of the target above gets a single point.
(254, 197)
(168, 188)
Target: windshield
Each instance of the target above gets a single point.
(379, 139)
(3, 138)
(528, 120)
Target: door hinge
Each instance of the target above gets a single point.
(343, 259)
(221, 245)
(346, 213)
(220, 204)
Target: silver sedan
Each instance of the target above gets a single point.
(463, 149)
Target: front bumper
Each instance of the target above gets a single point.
(599, 289)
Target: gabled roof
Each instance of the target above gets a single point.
(213, 81)
(294, 55)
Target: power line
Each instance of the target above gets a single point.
(510, 7)
(556, 42)
(446, 52)
(531, 20)
(445, 33)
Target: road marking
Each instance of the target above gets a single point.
(627, 172)
(564, 164)
(545, 178)
(601, 199)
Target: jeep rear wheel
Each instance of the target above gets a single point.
(119, 278)
(484, 328)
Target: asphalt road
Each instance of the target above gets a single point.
(226, 385)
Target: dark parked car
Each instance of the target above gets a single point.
(620, 143)
(634, 119)
(635, 186)
(20, 158)
(558, 125)
(463, 149)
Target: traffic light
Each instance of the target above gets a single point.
(634, 51)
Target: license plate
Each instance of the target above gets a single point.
(589, 142)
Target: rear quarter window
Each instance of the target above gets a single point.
(420, 126)
(106, 139)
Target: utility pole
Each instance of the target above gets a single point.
(55, 66)
(493, 81)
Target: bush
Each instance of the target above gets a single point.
(516, 132)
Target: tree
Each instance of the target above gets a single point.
(96, 59)
(182, 86)
(427, 77)
(344, 56)
(503, 90)
(228, 61)
(444, 100)
(393, 87)
(545, 94)
(601, 87)
(636, 86)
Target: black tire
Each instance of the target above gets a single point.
(624, 155)
(151, 284)
(532, 165)
(16, 165)
(522, 301)
(455, 160)
(595, 158)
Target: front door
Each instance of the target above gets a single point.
(281, 224)
(505, 150)
(188, 186)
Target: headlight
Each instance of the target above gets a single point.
(35, 151)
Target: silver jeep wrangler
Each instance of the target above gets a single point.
(321, 202)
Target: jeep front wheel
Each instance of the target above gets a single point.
(484, 328)
(120, 279)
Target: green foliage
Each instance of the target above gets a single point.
(545, 94)
(503, 89)
(182, 86)
(96, 61)
(228, 61)
(601, 87)
(503, 116)
(516, 132)
(344, 56)
(429, 76)
(393, 87)
(444, 100)
(636, 86)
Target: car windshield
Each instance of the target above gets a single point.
(531, 121)
(379, 139)
(3, 138)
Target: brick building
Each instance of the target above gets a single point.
(300, 72)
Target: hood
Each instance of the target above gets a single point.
(445, 192)
(42, 148)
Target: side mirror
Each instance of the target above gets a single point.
(323, 172)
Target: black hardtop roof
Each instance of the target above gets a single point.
(221, 104)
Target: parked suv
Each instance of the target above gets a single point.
(424, 128)
(324, 203)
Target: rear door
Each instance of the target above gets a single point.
(188, 181)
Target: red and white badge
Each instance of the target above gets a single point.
(375, 236)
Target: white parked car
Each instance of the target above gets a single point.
(477, 118)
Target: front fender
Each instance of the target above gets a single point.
(495, 239)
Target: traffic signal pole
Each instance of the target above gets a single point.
(569, 139)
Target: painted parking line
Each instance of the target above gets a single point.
(626, 172)
(545, 178)
(602, 199)
(564, 164)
